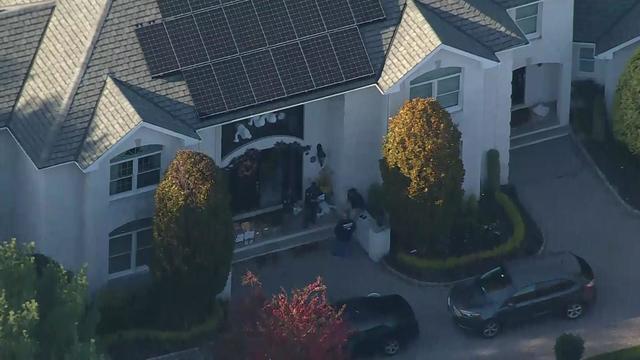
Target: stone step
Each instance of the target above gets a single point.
(539, 136)
(317, 234)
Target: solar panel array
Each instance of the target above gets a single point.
(238, 53)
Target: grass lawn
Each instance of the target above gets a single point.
(632, 353)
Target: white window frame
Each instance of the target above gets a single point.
(133, 268)
(134, 173)
(581, 59)
(538, 16)
(434, 88)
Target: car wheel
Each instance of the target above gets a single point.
(574, 311)
(490, 329)
(391, 347)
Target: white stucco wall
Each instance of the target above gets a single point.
(103, 213)
(542, 84)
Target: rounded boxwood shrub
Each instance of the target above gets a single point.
(422, 176)
(569, 347)
(626, 108)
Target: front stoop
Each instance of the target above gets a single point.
(320, 233)
(538, 136)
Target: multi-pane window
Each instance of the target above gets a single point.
(587, 62)
(527, 18)
(442, 84)
(135, 169)
(130, 247)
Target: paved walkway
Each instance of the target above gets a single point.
(574, 210)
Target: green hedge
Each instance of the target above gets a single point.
(511, 245)
(210, 325)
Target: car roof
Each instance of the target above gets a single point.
(551, 266)
(378, 306)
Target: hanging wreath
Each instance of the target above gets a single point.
(247, 164)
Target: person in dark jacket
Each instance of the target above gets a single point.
(311, 202)
(343, 231)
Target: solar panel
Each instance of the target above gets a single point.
(263, 76)
(336, 13)
(366, 10)
(351, 53)
(237, 53)
(322, 61)
(157, 49)
(233, 82)
(203, 4)
(275, 21)
(204, 90)
(186, 41)
(245, 26)
(305, 16)
(216, 33)
(169, 8)
(292, 68)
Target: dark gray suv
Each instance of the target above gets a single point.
(560, 283)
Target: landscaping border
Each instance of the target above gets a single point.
(528, 223)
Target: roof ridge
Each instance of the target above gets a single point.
(35, 7)
(69, 98)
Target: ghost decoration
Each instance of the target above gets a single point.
(257, 121)
(242, 133)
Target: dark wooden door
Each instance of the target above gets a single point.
(518, 83)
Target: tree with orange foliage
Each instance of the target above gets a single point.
(422, 176)
(300, 326)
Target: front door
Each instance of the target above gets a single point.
(517, 86)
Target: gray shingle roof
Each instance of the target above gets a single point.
(21, 30)
(479, 27)
(605, 24)
(119, 110)
(61, 115)
(482, 20)
(624, 30)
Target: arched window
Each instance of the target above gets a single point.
(135, 168)
(130, 247)
(442, 84)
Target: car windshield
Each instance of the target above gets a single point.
(493, 280)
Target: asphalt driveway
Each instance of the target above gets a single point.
(575, 212)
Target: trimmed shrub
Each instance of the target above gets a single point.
(422, 176)
(599, 128)
(376, 203)
(508, 247)
(493, 171)
(626, 108)
(583, 93)
(569, 347)
(193, 236)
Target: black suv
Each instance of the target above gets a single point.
(378, 324)
(561, 283)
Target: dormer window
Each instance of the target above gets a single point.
(527, 18)
(136, 168)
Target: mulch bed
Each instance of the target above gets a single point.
(533, 241)
(620, 167)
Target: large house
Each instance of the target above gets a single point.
(96, 97)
